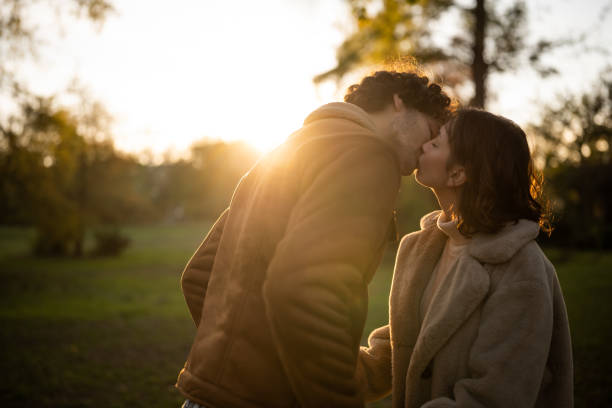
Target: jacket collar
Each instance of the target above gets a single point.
(337, 119)
(494, 248)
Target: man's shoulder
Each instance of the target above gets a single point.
(339, 136)
(348, 150)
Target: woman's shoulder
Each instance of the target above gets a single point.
(529, 265)
(513, 254)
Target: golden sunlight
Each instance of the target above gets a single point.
(211, 74)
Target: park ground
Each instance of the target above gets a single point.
(114, 332)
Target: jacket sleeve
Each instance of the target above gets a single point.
(315, 290)
(374, 365)
(508, 358)
(196, 274)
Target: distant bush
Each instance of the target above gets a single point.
(58, 233)
(110, 242)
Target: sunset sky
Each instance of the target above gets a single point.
(175, 72)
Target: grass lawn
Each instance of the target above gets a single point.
(114, 332)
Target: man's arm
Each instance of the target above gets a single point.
(315, 289)
(196, 274)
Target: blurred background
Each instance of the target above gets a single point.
(125, 126)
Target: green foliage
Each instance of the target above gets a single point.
(59, 176)
(51, 178)
(575, 141)
(387, 29)
(59, 171)
(488, 39)
(43, 150)
(581, 205)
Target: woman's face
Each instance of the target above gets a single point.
(432, 170)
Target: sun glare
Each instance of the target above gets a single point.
(225, 80)
(264, 144)
(265, 135)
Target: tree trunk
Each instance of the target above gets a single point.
(479, 66)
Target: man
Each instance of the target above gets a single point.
(278, 288)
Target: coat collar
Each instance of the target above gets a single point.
(418, 254)
(494, 248)
(501, 246)
(463, 288)
(461, 292)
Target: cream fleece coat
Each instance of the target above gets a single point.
(496, 335)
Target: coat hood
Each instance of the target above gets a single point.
(342, 110)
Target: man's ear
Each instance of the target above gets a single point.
(398, 104)
(456, 176)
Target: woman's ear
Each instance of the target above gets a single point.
(456, 176)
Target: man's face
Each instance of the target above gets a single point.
(410, 130)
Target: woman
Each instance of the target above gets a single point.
(477, 317)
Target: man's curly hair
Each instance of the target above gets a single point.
(375, 92)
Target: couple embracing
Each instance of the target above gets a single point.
(278, 288)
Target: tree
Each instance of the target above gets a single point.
(43, 149)
(220, 166)
(19, 36)
(56, 176)
(490, 39)
(575, 140)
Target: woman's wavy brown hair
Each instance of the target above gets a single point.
(502, 184)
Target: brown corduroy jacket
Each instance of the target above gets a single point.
(496, 333)
(278, 288)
